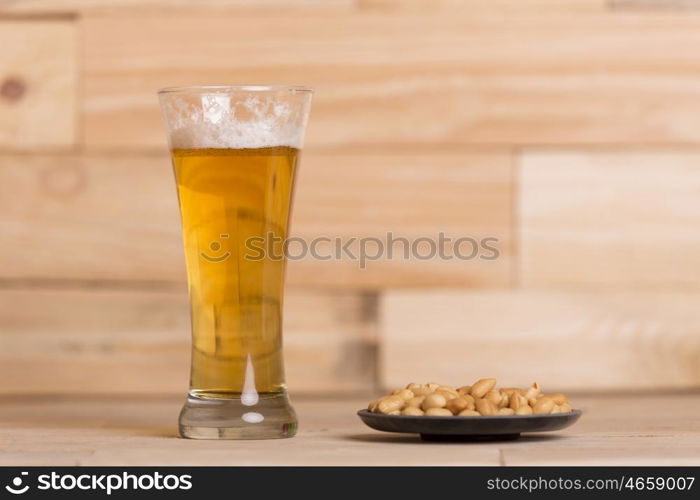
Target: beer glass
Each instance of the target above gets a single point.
(235, 151)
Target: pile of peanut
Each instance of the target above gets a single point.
(480, 398)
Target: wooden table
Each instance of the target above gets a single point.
(614, 430)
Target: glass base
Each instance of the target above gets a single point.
(270, 417)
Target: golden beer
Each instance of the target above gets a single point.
(228, 197)
(234, 152)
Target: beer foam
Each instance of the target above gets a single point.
(216, 122)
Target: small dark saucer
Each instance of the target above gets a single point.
(474, 429)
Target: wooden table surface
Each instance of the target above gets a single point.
(614, 430)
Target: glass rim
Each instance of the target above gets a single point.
(217, 89)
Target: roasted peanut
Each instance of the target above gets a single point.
(447, 388)
(544, 405)
(517, 400)
(470, 400)
(559, 398)
(421, 390)
(533, 391)
(456, 405)
(482, 387)
(405, 394)
(494, 397)
(524, 410)
(469, 413)
(498, 398)
(533, 400)
(446, 394)
(485, 407)
(416, 389)
(424, 391)
(433, 401)
(481, 398)
(415, 401)
(511, 390)
(438, 412)
(390, 404)
(514, 401)
(412, 410)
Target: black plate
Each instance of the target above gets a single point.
(469, 428)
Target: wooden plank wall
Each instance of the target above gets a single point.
(569, 131)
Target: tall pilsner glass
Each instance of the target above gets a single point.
(235, 152)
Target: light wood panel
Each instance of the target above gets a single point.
(38, 84)
(130, 431)
(168, 6)
(130, 341)
(565, 340)
(410, 196)
(494, 6)
(393, 79)
(610, 219)
(162, 7)
(115, 218)
(654, 4)
(88, 341)
(645, 429)
(330, 341)
(416, 106)
(89, 218)
(656, 429)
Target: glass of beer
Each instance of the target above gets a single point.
(235, 151)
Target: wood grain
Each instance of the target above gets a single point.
(89, 218)
(411, 197)
(656, 429)
(494, 6)
(162, 7)
(654, 4)
(565, 340)
(566, 130)
(329, 433)
(395, 79)
(610, 219)
(168, 6)
(85, 217)
(645, 429)
(74, 341)
(38, 84)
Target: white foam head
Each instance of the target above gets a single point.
(232, 120)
